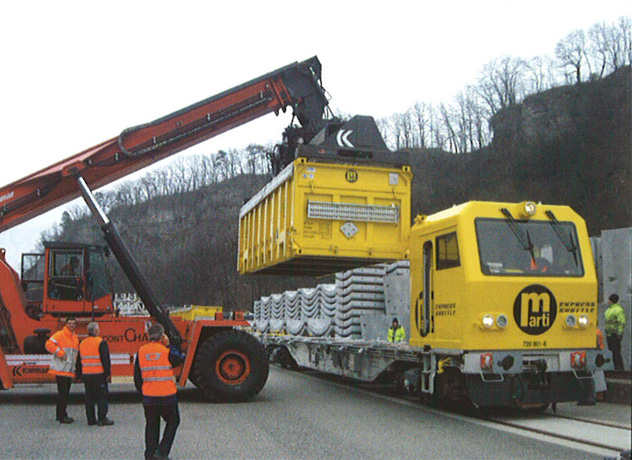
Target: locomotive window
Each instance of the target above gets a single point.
(447, 251)
(531, 248)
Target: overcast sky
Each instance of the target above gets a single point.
(76, 73)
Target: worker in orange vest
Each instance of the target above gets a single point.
(599, 377)
(64, 346)
(154, 378)
(600, 344)
(93, 368)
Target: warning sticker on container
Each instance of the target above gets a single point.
(349, 229)
(393, 179)
(317, 229)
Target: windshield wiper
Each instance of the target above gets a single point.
(525, 240)
(568, 244)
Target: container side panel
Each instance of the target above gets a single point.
(330, 216)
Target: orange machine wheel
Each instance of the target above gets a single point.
(232, 367)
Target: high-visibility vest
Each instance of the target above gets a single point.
(615, 319)
(90, 356)
(156, 370)
(398, 336)
(64, 346)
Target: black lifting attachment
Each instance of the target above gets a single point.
(129, 266)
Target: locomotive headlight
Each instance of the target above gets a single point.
(501, 321)
(528, 208)
(583, 321)
(571, 320)
(488, 321)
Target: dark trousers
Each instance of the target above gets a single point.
(614, 345)
(96, 393)
(171, 415)
(63, 390)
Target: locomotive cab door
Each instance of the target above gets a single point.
(426, 297)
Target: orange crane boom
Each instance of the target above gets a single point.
(296, 85)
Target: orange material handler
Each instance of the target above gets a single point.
(226, 363)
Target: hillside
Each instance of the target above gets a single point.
(569, 145)
(186, 244)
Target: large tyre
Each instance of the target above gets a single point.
(193, 375)
(231, 366)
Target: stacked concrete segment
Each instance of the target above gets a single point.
(319, 317)
(277, 321)
(261, 312)
(359, 292)
(361, 305)
(308, 311)
(293, 323)
(396, 282)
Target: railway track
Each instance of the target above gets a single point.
(607, 438)
(597, 422)
(601, 434)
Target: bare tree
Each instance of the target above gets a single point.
(601, 46)
(106, 199)
(439, 138)
(625, 32)
(396, 131)
(469, 119)
(448, 125)
(570, 53)
(540, 74)
(420, 114)
(501, 83)
(384, 126)
(406, 123)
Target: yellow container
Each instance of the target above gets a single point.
(320, 218)
(196, 312)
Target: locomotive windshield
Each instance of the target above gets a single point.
(528, 248)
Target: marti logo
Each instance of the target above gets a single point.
(535, 309)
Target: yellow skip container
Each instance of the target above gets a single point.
(318, 218)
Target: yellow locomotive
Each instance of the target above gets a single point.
(504, 299)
